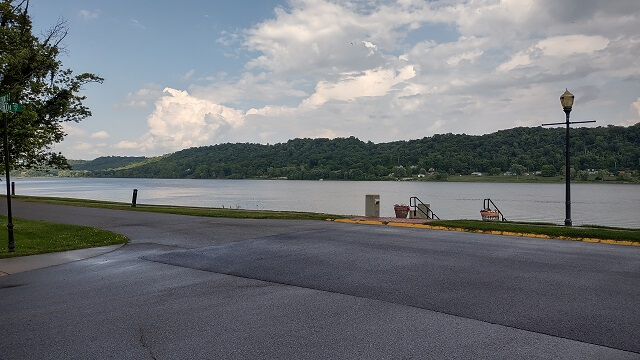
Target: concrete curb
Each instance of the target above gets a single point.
(493, 232)
(26, 263)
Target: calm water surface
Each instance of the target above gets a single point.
(603, 204)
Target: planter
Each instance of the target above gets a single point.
(489, 215)
(401, 211)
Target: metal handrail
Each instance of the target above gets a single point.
(486, 205)
(413, 203)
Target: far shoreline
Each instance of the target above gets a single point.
(451, 179)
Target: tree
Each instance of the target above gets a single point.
(399, 171)
(33, 75)
(517, 169)
(548, 170)
(495, 171)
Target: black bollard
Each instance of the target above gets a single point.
(135, 198)
(13, 188)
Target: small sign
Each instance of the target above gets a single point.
(11, 107)
(5, 98)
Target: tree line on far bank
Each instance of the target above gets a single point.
(613, 148)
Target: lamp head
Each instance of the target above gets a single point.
(566, 100)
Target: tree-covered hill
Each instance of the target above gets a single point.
(613, 148)
(106, 162)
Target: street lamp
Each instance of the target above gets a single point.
(566, 100)
(5, 107)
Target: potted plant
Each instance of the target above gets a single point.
(401, 210)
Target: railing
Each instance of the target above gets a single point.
(413, 204)
(486, 205)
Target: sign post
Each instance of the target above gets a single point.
(5, 107)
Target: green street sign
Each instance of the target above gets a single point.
(5, 98)
(11, 107)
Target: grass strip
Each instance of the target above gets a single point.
(554, 231)
(184, 210)
(38, 237)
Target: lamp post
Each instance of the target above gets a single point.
(5, 107)
(566, 100)
(11, 247)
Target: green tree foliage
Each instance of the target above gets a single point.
(107, 162)
(399, 171)
(517, 169)
(33, 75)
(352, 159)
(548, 170)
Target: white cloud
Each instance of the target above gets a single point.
(567, 45)
(100, 135)
(83, 146)
(635, 111)
(137, 24)
(323, 37)
(87, 150)
(227, 38)
(261, 87)
(556, 48)
(180, 121)
(188, 75)
(375, 82)
(126, 145)
(518, 60)
(142, 97)
(72, 130)
(88, 14)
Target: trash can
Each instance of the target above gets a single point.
(372, 205)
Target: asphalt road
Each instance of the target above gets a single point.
(205, 288)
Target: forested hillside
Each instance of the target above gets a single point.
(611, 148)
(106, 162)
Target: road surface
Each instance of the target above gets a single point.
(205, 288)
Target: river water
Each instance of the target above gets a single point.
(592, 203)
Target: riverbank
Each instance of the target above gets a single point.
(428, 178)
(183, 210)
(525, 179)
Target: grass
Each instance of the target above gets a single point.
(556, 231)
(184, 210)
(39, 237)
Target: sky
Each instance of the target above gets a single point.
(195, 73)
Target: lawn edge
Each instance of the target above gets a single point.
(492, 232)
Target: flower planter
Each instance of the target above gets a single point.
(401, 211)
(489, 215)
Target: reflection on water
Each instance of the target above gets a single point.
(602, 204)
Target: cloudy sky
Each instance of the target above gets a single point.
(193, 73)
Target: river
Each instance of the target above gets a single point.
(592, 203)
